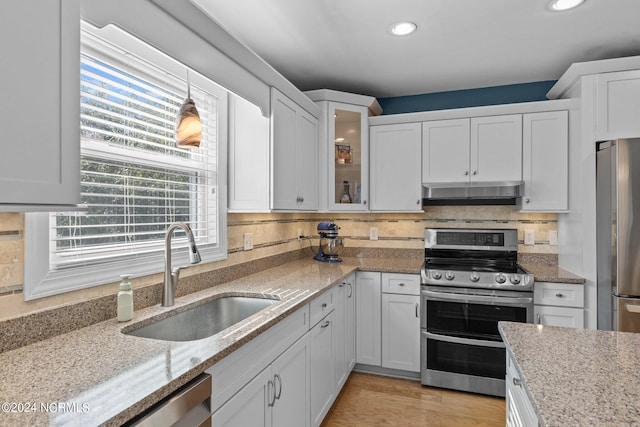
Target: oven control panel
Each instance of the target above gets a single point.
(477, 279)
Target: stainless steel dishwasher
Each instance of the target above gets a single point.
(189, 406)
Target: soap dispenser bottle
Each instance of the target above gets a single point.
(125, 300)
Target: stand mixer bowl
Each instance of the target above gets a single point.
(331, 247)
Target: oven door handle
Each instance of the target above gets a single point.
(441, 296)
(465, 341)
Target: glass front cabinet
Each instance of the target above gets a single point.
(344, 149)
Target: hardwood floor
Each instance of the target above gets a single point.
(371, 400)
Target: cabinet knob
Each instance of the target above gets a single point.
(517, 382)
(364, 202)
(466, 173)
(559, 295)
(526, 200)
(325, 324)
(418, 202)
(324, 305)
(475, 172)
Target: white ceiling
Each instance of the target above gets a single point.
(460, 44)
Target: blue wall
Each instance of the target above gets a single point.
(509, 94)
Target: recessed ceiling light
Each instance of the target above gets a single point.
(560, 5)
(402, 28)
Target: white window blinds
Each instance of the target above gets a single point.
(134, 180)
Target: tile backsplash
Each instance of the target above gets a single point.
(277, 233)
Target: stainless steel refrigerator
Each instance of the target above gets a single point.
(618, 234)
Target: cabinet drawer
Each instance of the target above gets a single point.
(321, 306)
(568, 317)
(408, 284)
(559, 294)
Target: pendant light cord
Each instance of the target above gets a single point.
(188, 86)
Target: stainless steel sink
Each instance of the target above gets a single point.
(203, 320)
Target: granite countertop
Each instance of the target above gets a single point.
(551, 273)
(577, 376)
(100, 376)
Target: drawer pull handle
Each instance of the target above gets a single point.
(350, 290)
(538, 321)
(325, 324)
(560, 295)
(517, 382)
(400, 284)
(418, 310)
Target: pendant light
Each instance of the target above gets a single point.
(188, 125)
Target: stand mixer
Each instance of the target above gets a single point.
(330, 246)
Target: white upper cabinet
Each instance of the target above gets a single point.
(248, 156)
(445, 151)
(496, 148)
(395, 167)
(40, 106)
(618, 105)
(344, 149)
(479, 149)
(294, 137)
(545, 162)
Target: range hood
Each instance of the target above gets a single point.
(488, 193)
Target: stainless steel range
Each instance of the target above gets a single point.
(471, 280)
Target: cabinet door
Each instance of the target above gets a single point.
(292, 386)
(445, 151)
(283, 140)
(339, 335)
(395, 167)
(520, 412)
(306, 163)
(40, 162)
(618, 105)
(348, 156)
(496, 148)
(368, 318)
(248, 156)
(545, 161)
(251, 406)
(323, 389)
(295, 155)
(559, 316)
(401, 332)
(350, 323)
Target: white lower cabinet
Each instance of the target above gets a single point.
(250, 407)
(401, 332)
(291, 382)
(519, 410)
(323, 388)
(278, 396)
(558, 304)
(368, 318)
(344, 345)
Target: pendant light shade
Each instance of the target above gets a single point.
(188, 125)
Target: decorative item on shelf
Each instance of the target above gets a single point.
(343, 154)
(188, 125)
(346, 196)
(125, 299)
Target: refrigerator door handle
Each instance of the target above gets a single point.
(633, 308)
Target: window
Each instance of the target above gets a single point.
(134, 181)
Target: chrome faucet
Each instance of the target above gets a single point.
(171, 275)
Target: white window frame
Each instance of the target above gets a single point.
(40, 281)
